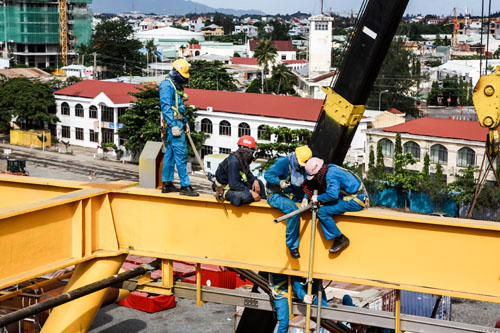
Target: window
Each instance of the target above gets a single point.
(65, 132)
(260, 132)
(107, 135)
(79, 133)
(93, 112)
(466, 157)
(94, 136)
(121, 112)
(224, 151)
(206, 126)
(321, 26)
(413, 148)
(207, 150)
(225, 128)
(122, 141)
(65, 109)
(79, 110)
(283, 57)
(439, 153)
(107, 114)
(243, 129)
(387, 147)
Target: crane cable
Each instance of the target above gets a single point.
(482, 30)
(488, 37)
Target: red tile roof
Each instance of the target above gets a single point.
(288, 107)
(118, 92)
(281, 45)
(299, 61)
(395, 111)
(245, 61)
(442, 128)
(195, 47)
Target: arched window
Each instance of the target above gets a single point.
(93, 112)
(225, 128)
(65, 109)
(387, 147)
(439, 153)
(466, 157)
(78, 110)
(206, 126)
(413, 148)
(260, 131)
(243, 129)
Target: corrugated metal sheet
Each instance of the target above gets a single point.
(420, 304)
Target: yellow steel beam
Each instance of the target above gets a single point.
(403, 251)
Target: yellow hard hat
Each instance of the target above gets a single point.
(303, 154)
(182, 66)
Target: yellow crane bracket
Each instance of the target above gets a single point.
(487, 103)
(341, 110)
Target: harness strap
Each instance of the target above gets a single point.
(177, 114)
(277, 292)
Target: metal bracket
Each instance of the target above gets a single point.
(251, 303)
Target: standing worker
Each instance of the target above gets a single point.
(284, 180)
(175, 126)
(235, 180)
(340, 191)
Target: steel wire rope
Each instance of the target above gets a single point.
(488, 37)
(482, 31)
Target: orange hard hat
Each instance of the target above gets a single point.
(247, 141)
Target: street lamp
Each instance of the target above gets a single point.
(380, 96)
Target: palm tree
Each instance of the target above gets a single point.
(84, 50)
(152, 51)
(284, 76)
(266, 53)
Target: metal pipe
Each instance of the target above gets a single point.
(34, 286)
(71, 295)
(311, 262)
(436, 306)
(397, 313)
(320, 299)
(296, 212)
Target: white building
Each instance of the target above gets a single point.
(285, 48)
(79, 71)
(320, 45)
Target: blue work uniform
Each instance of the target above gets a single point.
(343, 194)
(173, 109)
(239, 184)
(280, 297)
(286, 168)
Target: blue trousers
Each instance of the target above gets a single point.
(175, 155)
(330, 229)
(286, 205)
(282, 314)
(238, 198)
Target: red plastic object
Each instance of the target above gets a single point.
(146, 303)
(215, 276)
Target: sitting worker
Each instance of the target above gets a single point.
(174, 125)
(284, 179)
(340, 191)
(279, 287)
(235, 180)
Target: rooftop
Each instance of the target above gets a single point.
(118, 92)
(244, 61)
(281, 45)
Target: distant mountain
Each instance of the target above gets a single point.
(177, 7)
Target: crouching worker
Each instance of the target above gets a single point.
(340, 191)
(279, 286)
(235, 180)
(284, 180)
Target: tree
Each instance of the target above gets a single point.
(266, 53)
(283, 79)
(210, 75)
(280, 30)
(464, 186)
(142, 121)
(437, 190)
(31, 102)
(226, 21)
(85, 54)
(116, 49)
(285, 142)
(152, 51)
(380, 167)
(193, 41)
(371, 164)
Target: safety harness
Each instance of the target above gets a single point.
(354, 196)
(177, 114)
(277, 189)
(221, 189)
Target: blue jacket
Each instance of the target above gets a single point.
(228, 172)
(338, 179)
(167, 101)
(279, 171)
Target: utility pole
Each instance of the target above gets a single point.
(321, 7)
(95, 65)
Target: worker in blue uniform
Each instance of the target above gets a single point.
(174, 128)
(340, 191)
(279, 288)
(234, 179)
(284, 179)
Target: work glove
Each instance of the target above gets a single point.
(304, 203)
(186, 129)
(284, 184)
(176, 131)
(308, 299)
(314, 201)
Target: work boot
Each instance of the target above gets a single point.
(339, 243)
(295, 253)
(188, 190)
(169, 187)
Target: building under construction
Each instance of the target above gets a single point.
(43, 33)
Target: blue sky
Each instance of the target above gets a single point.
(312, 6)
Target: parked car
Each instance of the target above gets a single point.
(442, 214)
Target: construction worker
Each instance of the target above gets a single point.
(235, 180)
(279, 288)
(284, 180)
(174, 128)
(340, 191)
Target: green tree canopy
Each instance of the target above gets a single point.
(116, 50)
(210, 75)
(266, 54)
(464, 185)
